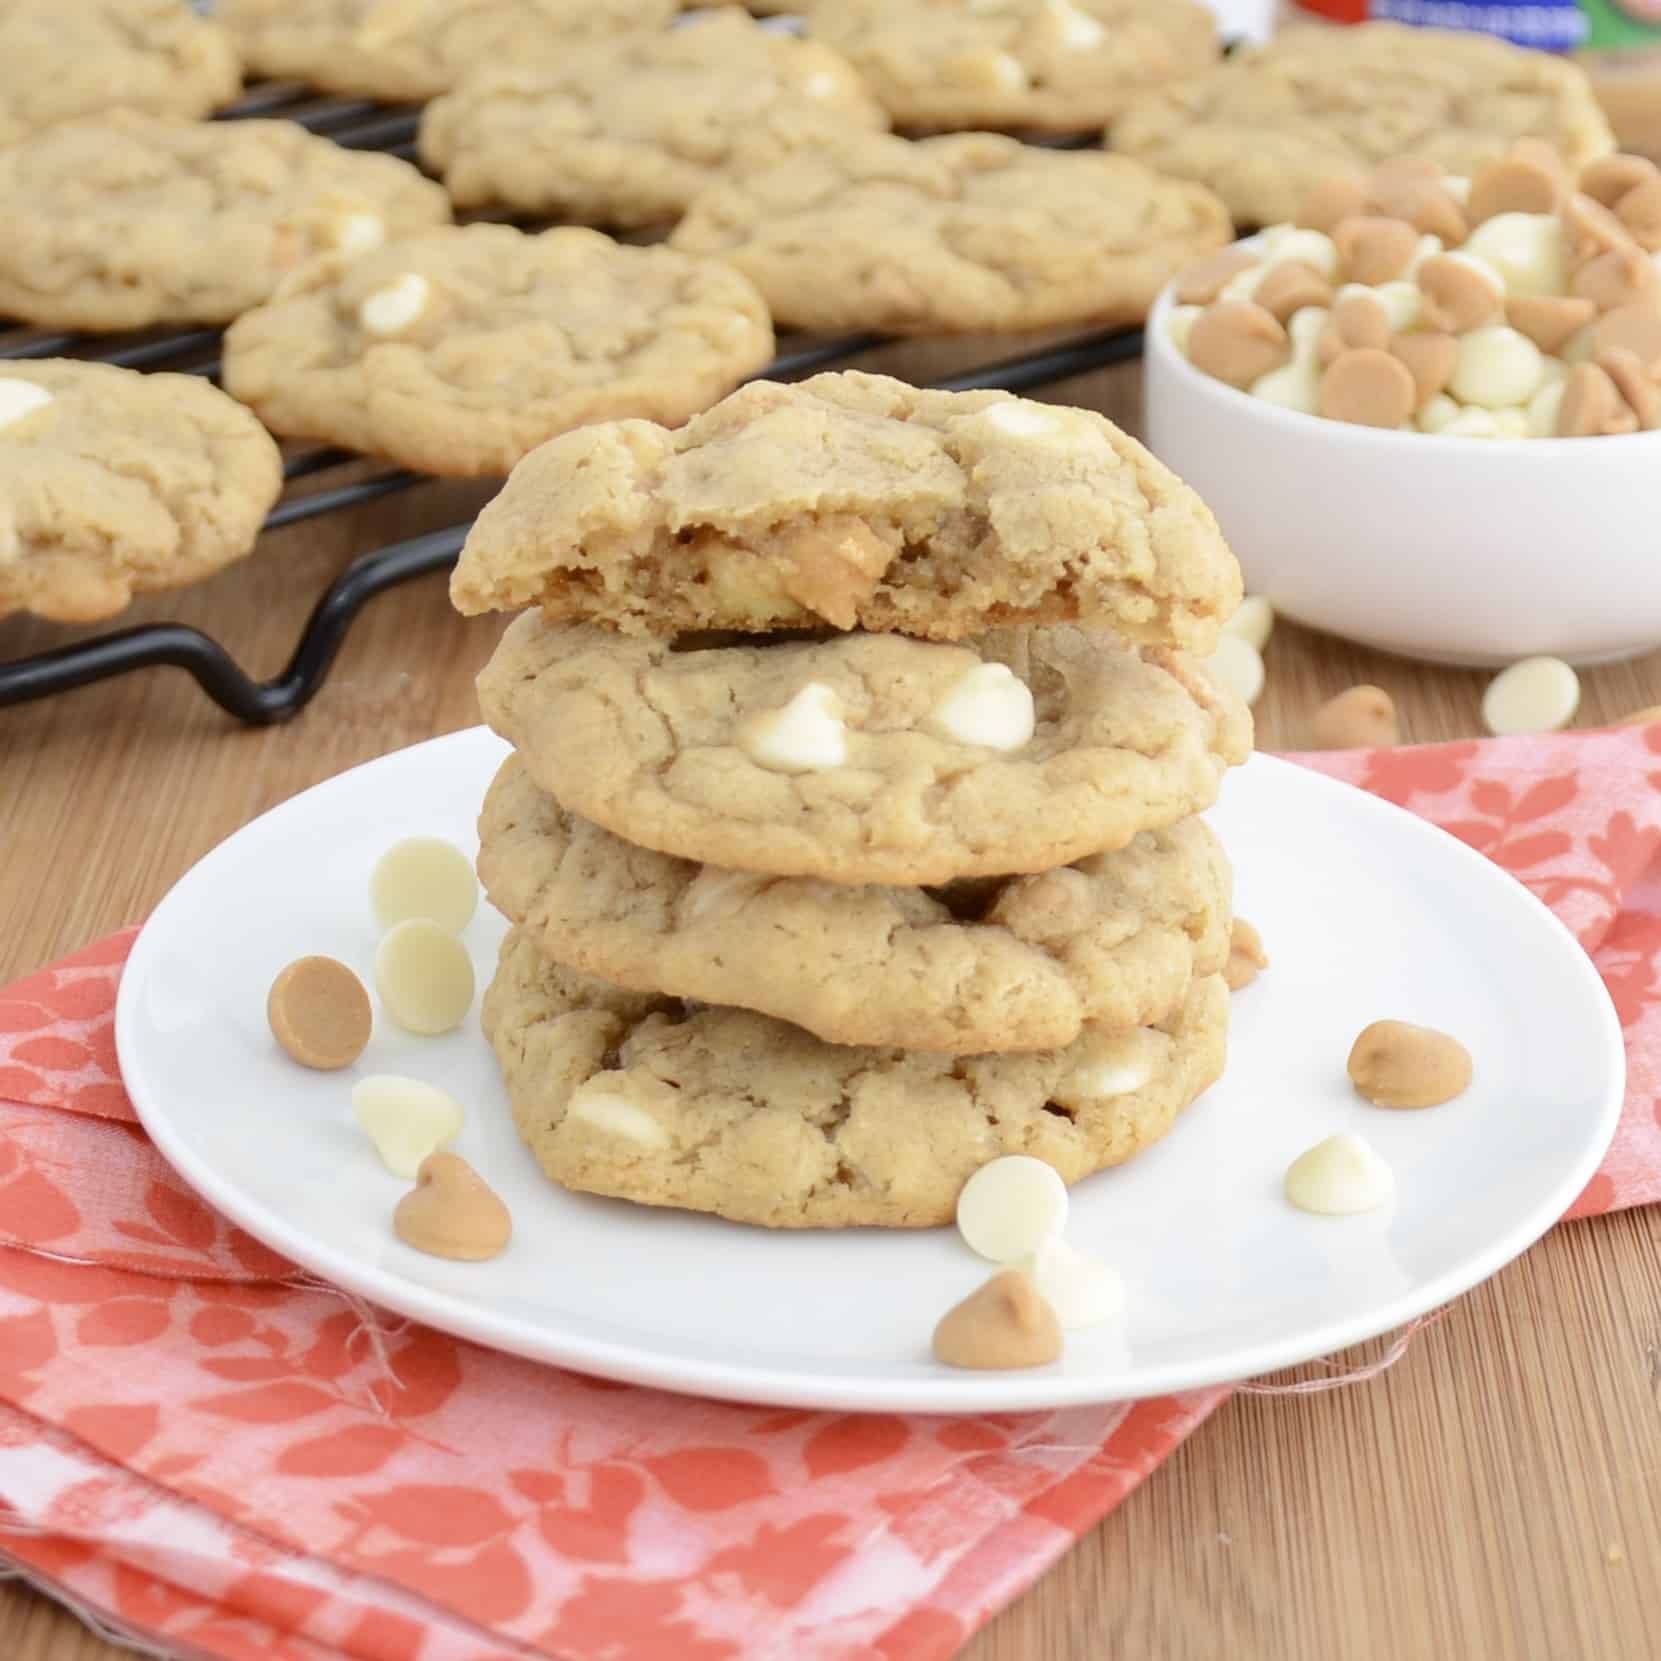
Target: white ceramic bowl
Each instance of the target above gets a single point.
(1461, 550)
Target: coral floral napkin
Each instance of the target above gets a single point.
(209, 1452)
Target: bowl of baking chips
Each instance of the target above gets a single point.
(1428, 414)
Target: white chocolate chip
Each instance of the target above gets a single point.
(1253, 621)
(1020, 419)
(1438, 414)
(1539, 694)
(1471, 423)
(1339, 1178)
(19, 399)
(1303, 329)
(1244, 284)
(995, 70)
(1109, 1064)
(1527, 249)
(1082, 1290)
(805, 736)
(1295, 385)
(1428, 247)
(1293, 242)
(406, 1119)
(1239, 666)
(598, 1104)
(714, 891)
(1079, 32)
(359, 233)
(1543, 408)
(1055, 426)
(1179, 324)
(1457, 186)
(396, 305)
(1510, 423)
(821, 84)
(1498, 367)
(1011, 1207)
(424, 876)
(1402, 304)
(424, 977)
(988, 705)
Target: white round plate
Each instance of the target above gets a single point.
(1366, 911)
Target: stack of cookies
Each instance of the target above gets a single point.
(849, 838)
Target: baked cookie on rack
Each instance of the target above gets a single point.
(456, 351)
(406, 51)
(65, 58)
(1264, 128)
(967, 234)
(627, 132)
(1058, 66)
(856, 501)
(865, 758)
(662, 1102)
(1020, 963)
(125, 220)
(113, 483)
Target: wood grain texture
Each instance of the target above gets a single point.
(1496, 1495)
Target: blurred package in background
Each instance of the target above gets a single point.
(1619, 41)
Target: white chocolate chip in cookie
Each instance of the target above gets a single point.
(1011, 1207)
(1339, 1177)
(1539, 694)
(806, 736)
(1082, 1290)
(406, 1118)
(1110, 1064)
(359, 233)
(988, 705)
(1078, 31)
(1498, 367)
(1253, 621)
(1527, 249)
(19, 399)
(392, 308)
(1055, 426)
(714, 891)
(598, 1104)
(996, 71)
(424, 876)
(424, 977)
(821, 84)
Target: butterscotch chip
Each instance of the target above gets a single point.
(1542, 154)
(1331, 201)
(1514, 184)
(1200, 283)
(1367, 387)
(1620, 277)
(320, 1014)
(1592, 405)
(1638, 329)
(1548, 319)
(1373, 249)
(1361, 320)
(1430, 360)
(1006, 1324)
(1396, 171)
(1641, 394)
(1290, 286)
(1246, 957)
(1640, 211)
(1363, 717)
(453, 1212)
(1456, 297)
(1397, 1064)
(1591, 228)
(1609, 178)
(1237, 341)
(1423, 202)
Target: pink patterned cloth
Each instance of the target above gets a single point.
(206, 1450)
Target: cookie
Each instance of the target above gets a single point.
(970, 234)
(649, 1099)
(1058, 66)
(411, 50)
(681, 750)
(456, 351)
(1273, 121)
(1017, 964)
(129, 220)
(855, 500)
(627, 132)
(113, 482)
(65, 58)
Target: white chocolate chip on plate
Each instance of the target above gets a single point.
(1539, 694)
(1082, 1290)
(597, 1103)
(424, 876)
(1011, 1207)
(406, 1119)
(424, 977)
(1239, 666)
(396, 305)
(1253, 621)
(806, 735)
(1339, 1177)
(988, 705)
(19, 399)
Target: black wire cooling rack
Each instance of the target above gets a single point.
(369, 126)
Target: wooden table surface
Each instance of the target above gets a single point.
(1496, 1495)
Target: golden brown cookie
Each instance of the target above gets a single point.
(1058, 66)
(906, 771)
(628, 132)
(976, 233)
(653, 1100)
(113, 483)
(456, 351)
(1273, 121)
(65, 58)
(855, 500)
(126, 220)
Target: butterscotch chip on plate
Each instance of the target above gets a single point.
(65, 58)
(923, 781)
(1267, 126)
(653, 1100)
(857, 501)
(1048, 65)
(128, 220)
(859, 230)
(113, 483)
(999, 964)
(410, 50)
(627, 132)
(456, 351)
